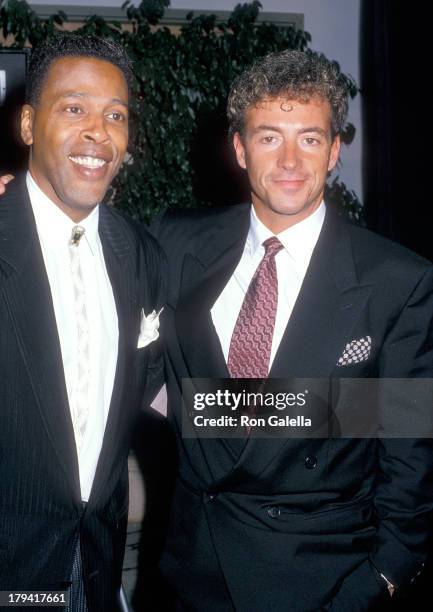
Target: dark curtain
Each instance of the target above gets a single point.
(396, 77)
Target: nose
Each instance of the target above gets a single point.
(288, 156)
(95, 130)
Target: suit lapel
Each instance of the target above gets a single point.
(117, 251)
(329, 304)
(204, 276)
(200, 343)
(326, 310)
(27, 293)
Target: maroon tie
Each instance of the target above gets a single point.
(251, 343)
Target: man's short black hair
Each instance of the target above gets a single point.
(64, 44)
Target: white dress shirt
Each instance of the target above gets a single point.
(292, 263)
(54, 230)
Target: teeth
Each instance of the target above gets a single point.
(88, 162)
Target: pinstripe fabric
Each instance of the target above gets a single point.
(40, 501)
(77, 595)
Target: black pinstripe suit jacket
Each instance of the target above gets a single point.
(41, 514)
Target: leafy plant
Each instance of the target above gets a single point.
(18, 20)
(179, 156)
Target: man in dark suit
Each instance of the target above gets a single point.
(286, 288)
(78, 288)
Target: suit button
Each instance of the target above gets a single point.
(212, 497)
(310, 462)
(274, 512)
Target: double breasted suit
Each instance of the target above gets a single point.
(306, 524)
(41, 514)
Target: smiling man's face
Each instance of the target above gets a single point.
(78, 132)
(287, 150)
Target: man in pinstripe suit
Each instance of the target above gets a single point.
(74, 278)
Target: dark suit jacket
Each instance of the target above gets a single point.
(299, 525)
(41, 515)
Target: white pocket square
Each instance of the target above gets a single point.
(149, 327)
(356, 351)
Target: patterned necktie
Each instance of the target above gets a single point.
(251, 342)
(79, 399)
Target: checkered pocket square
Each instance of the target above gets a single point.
(355, 351)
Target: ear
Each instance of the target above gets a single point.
(334, 153)
(239, 149)
(27, 121)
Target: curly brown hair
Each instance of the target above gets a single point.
(293, 75)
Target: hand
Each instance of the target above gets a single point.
(4, 180)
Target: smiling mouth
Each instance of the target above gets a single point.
(87, 161)
(291, 183)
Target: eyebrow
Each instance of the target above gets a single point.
(269, 128)
(78, 94)
(315, 129)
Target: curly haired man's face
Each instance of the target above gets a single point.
(78, 132)
(287, 151)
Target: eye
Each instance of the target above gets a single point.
(74, 110)
(268, 139)
(309, 140)
(116, 116)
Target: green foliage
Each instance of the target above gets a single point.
(18, 20)
(344, 200)
(182, 84)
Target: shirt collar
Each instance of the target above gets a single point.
(299, 240)
(53, 225)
